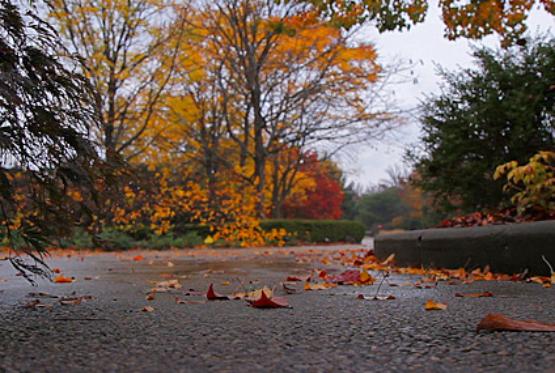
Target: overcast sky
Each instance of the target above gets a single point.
(425, 46)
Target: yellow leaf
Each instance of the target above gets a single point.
(208, 240)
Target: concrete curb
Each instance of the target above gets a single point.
(509, 248)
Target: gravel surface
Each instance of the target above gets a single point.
(325, 331)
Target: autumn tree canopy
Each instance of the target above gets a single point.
(472, 19)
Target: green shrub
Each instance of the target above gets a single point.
(318, 231)
(167, 241)
(183, 229)
(80, 239)
(113, 239)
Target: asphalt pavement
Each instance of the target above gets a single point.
(324, 331)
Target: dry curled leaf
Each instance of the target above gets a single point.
(432, 305)
(266, 302)
(73, 301)
(41, 294)
(212, 295)
(149, 296)
(389, 260)
(485, 294)
(499, 322)
(148, 309)
(253, 295)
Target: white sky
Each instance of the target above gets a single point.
(425, 46)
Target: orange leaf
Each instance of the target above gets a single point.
(212, 295)
(56, 270)
(434, 306)
(485, 294)
(499, 322)
(138, 258)
(61, 279)
(265, 302)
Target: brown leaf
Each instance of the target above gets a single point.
(212, 295)
(485, 294)
(148, 309)
(73, 301)
(432, 305)
(499, 322)
(41, 294)
(266, 302)
(149, 296)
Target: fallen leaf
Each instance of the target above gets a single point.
(170, 264)
(321, 286)
(499, 322)
(165, 286)
(293, 278)
(208, 240)
(138, 258)
(61, 279)
(41, 294)
(148, 309)
(265, 302)
(181, 301)
(252, 295)
(35, 304)
(56, 270)
(485, 294)
(434, 306)
(149, 296)
(376, 297)
(351, 277)
(389, 260)
(226, 283)
(212, 295)
(73, 301)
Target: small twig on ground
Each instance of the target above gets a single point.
(384, 276)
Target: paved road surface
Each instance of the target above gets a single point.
(325, 331)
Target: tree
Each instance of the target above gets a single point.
(500, 111)
(381, 207)
(127, 50)
(287, 80)
(472, 19)
(323, 197)
(44, 125)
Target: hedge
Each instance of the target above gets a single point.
(318, 231)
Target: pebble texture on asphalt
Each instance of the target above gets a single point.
(325, 331)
